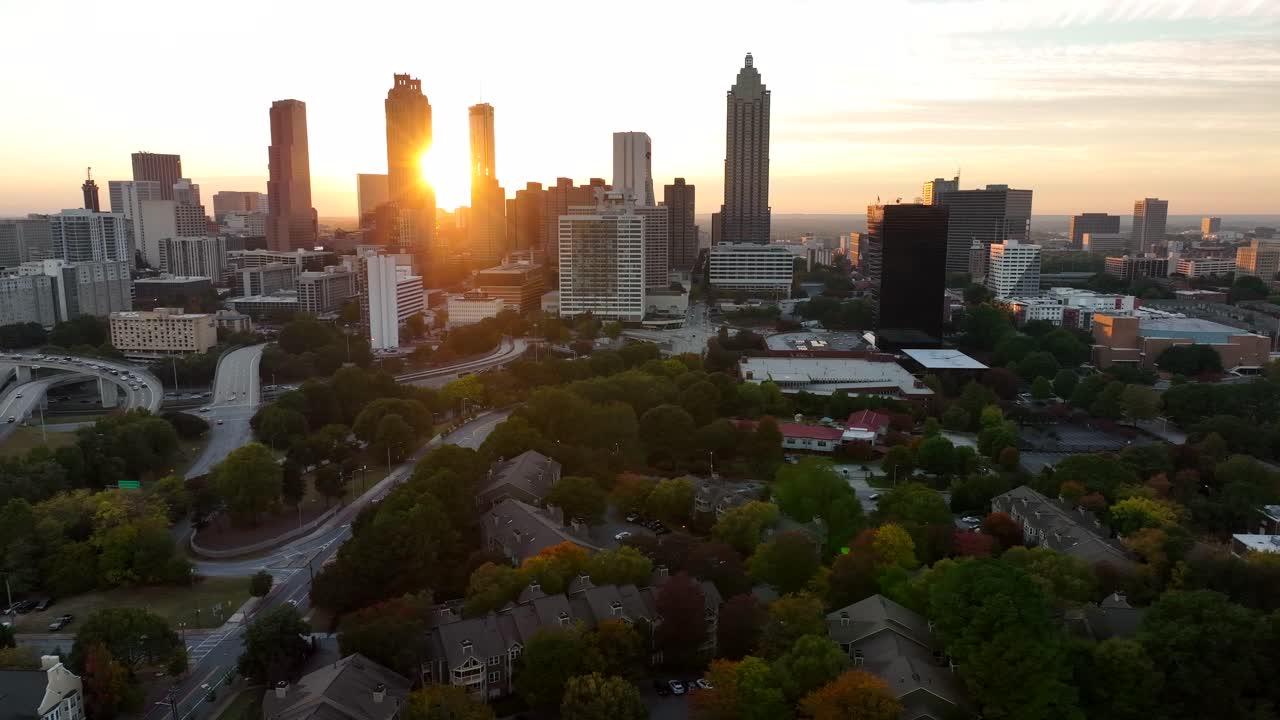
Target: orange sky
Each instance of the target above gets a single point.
(1092, 103)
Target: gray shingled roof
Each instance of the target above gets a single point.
(526, 530)
(1071, 531)
(21, 692)
(530, 474)
(341, 691)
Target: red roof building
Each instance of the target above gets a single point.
(815, 438)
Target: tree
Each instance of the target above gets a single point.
(1135, 513)
(1041, 388)
(1139, 402)
(551, 657)
(130, 635)
(1065, 578)
(394, 436)
(786, 562)
(444, 702)
(812, 489)
(681, 604)
(616, 648)
(702, 401)
(1190, 360)
(107, 689)
(936, 456)
(601, 697)
(1211, 653)
(260, 583)
(579, 497)
(671, 500)
(740, 624)
(667, 431)
(392, 633)
(415, 325)
(1003, 528)
(813, 661)
(763, 447)
(741, 527)
(955, 418)
(1096, 472)
(329, 482)
(1065, 382)
(7, 639)
(855, 694)
(985, 325)
(999, 627)
(274, 645)
(624, 566)
(790, 618)
(893, 547)
(913, 504)
(1121, 682)
(275, 424)
(248, 481)
(631, 491)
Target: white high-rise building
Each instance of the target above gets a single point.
(85, 235)
(602, 269)
(1013, 269)
(751, 267)
(161, 219)
(632, 166)
(391, 293)
(194, 256)
(127, 197)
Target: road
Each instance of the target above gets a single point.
(146, 394)
(508, 350)
(215, 653)
(236, 395)
(692, 338)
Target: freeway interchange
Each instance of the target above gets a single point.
(136, 386)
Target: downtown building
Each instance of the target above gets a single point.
(519, 285)
(1210, 225)
(487, 224)
(236, 201)
(1105, 244)
(408, 221)
(683, 230)
(159, 220)
(1260, 258)
(163, 330)
(1092, 223)
(906, 262)
(165, 170)
(751, 268)
(25, 239)
(194, 256)
(990, 215)
(933, 190)
(87, 236)
(1150, 216)
(601, 258)
(388, 294)
(28, 299)
(633, 179)
(372, 191)
(1133, 267)
(96, 287)
(1013, 269)
(1205, 267)
(326, 291)
(291, 221)
(745, 215)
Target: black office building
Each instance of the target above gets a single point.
(907, 262)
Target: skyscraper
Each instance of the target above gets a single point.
(1149, 218)
(602, 261)
(678, 199)
(1094, 223)
(1210, 225)
(559, 198)
(907, 264)
(745, 213)
(90, 190)
(633, 166)
(164, 169)
(934, 189)
(1013, 269)
(238, 201)
(408, 140)
(291, 224)
(488, 225)
(529, 229)
(990, 215)
(186, 192)
(85, 235)
(371, 191)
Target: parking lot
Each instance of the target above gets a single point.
(1071, 439)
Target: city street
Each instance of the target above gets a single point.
(292, 565)
(692, 338)
(236, 394)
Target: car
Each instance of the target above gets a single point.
(622, 536)
(704, 684)
(661, 688)
(44, 604)
(971, 519)
(219, 422)
(293, 603)
(634, 517)
(662, 530)
(874, 496)
(18, 395)
(13, 419)
(677, 687)
(204, 409)
(61, 622)
(23, 607)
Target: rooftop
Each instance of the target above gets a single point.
(345, 690)
(816, 432)
(1052, 524)
(816, 341)
(1177, 327)
(823, 376)
(944, 359)
(282, 297)
(1259, 543)
(172, 279)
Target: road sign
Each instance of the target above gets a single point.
(129, 485)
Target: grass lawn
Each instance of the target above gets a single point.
(246, 706)
(880, 481)
(216, 598)
(189, 452)
(25, 439)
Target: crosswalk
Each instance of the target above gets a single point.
(212, 640)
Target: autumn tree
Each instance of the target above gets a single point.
(813, 661)
(1003, 528)
(107, 687)
(738, 631)
(671, 500)
(789, 618)
(392, 633)
(579, 497)
(601, 697)
(742, 526)
(616, 648)
(444, 702)
(786, 562)
(854, 694)
(682, 606)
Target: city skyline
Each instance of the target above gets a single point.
(1176, 99)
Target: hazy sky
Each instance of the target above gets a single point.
(1091, 103)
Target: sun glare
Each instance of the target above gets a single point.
(444, 167)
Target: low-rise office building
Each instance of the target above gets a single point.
(324, 292)
(1132, 268)
(519, 285)
(869, 375)
(1105, 244)
(233, 321)
(472, 307)
(164, 330)
(766, 269)
(1205, 267)
(1139, 341)
(1069, 307)
(277, 306)
(266, 279)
